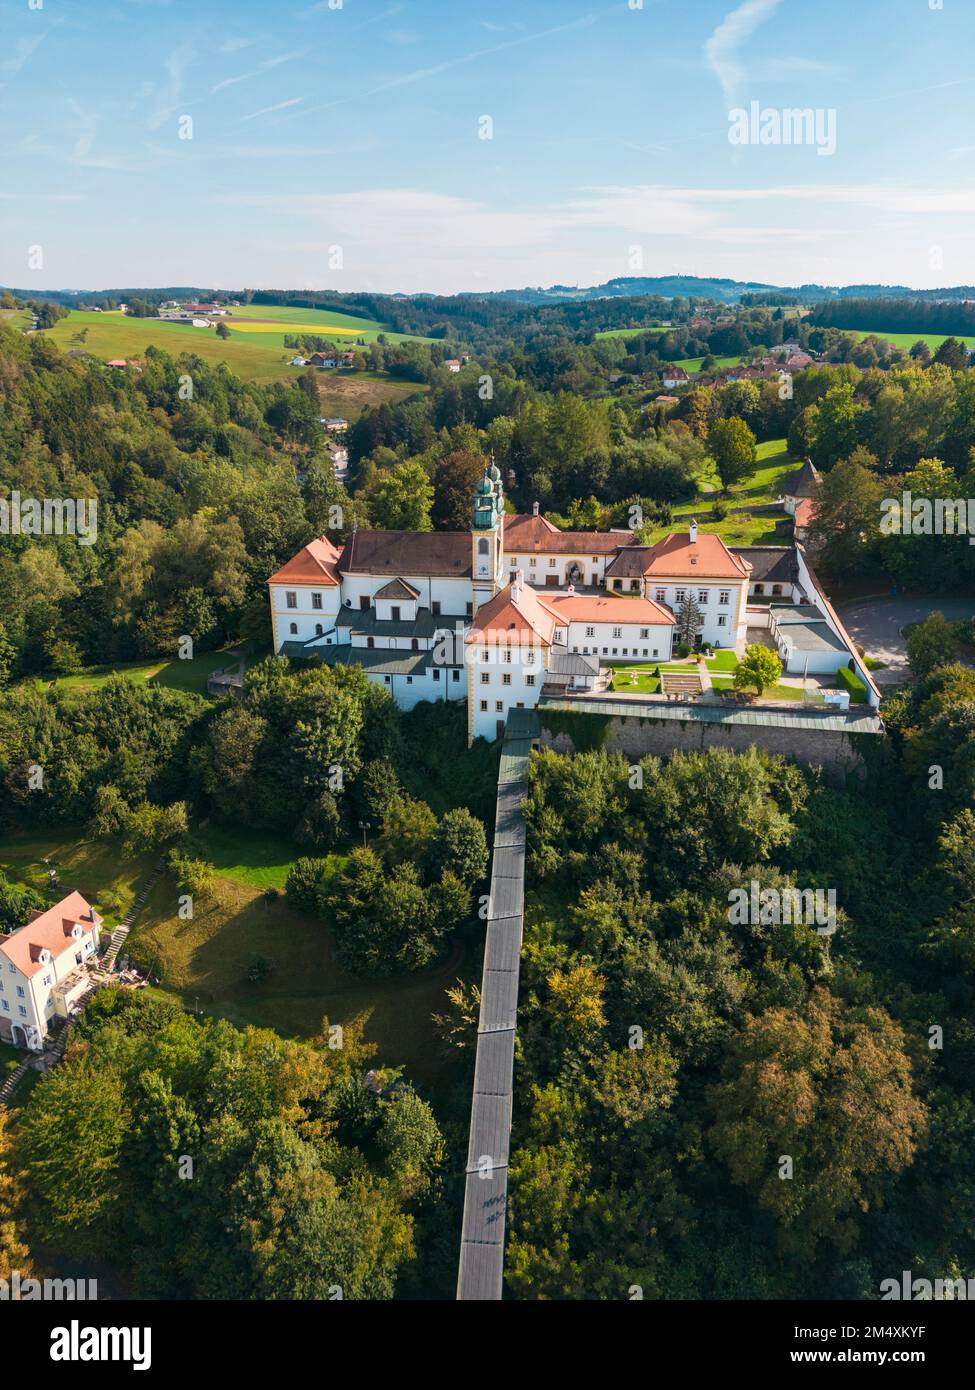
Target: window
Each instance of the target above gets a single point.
(702, 595)
(409, 680)
(529, 680)
(455, 675)
(20, 991)
(644, 633)
(291, 598)
(506, 678)
(318, 629)
(661, 595)
(722, 620)
(294, 629)
(679, 595)
(590, 632)
(435, 607)
(21, 1010)
(551, 563)
(529, 658)
(499, 706)
(414, 644)
(533, 562)
(507, 656)
(484, 706)
(436, 673)
(47, 979)
(656, 651)
(485, 656)
(316, 600)
(370, 642)
(388, 680)
(482, 546)
(626, 651)
(485, 677)
(364, 602)
(605, 651)
(616, 651)
(617, 632)
(724, 596)
(470, 610)
(634, 586)
(776, 589)
(595, 559)
(617, 583)
(6, 1006)
(760, 588)
(395, 614)
(12, 968)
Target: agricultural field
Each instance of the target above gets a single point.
(907, 340)
(627, 332)
(255, 349)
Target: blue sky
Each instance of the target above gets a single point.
(358, 127)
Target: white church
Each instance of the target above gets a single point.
(500, 614)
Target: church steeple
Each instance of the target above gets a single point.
(487, 539)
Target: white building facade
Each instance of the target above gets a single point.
(43, 969)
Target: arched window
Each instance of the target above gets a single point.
(483, 546)
(294, 629)
(415, 644)
(370, 641)
(318, 629)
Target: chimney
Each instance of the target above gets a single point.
(534, 509)
(518, 584)
(693, 533)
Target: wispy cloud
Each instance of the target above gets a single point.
(266, 110)
(722, 48)
(259, 70)
(175, 68)
(22, 52)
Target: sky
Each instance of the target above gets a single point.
(449, 145)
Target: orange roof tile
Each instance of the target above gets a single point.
(706, 558)
(589, 608)
(314, 564)
(527, 616)
(50, 930)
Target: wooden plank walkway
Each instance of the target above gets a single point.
(481, 1270)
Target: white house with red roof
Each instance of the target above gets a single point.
(43, 969)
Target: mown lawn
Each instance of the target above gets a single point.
(96, 868)
(190, 675)
(204, 961)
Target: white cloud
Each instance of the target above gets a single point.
(723, 46)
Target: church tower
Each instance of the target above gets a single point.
(487, 537)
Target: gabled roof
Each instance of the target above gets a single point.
(534, 535)
(397, 588)
(678, 557)
(445, 554)
(48, 931)
(596, 608)
(315, 563)
(777, 563)
(802, 482)
(517, 614)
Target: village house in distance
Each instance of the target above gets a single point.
(516, 610)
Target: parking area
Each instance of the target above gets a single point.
(878, 625)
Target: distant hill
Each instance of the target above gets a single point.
(721, 291)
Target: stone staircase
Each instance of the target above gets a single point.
(117, 938)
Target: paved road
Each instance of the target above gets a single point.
(877, 624)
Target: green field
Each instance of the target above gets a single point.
(693, 364)
(255, 349)
(188, 675)
(907, 340)
(741, 526)
(92, 867)
(627, 332)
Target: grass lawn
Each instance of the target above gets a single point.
(628, 332)
(255, 349)
(907, 340)
(204, 961)
(94, 867)
(10, 1059)
(252, 858)
(188, 675)
(742, 526)
(693, 364)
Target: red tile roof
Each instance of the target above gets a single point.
(706, 558)
(315, 563)
(588, 608)
(535, 535)
(525, 618)
(50, 930)
(445, 554)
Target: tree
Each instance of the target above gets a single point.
(847, 516)
(953, 354)
(455, 477)
(689, 619)
(931, 643)
(304, 883)
(835, 430)
(460, 846)
(222, 330)
(827, 1087)
(760, 667)
(399, 499)
(732, 446)
(13, 1251)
